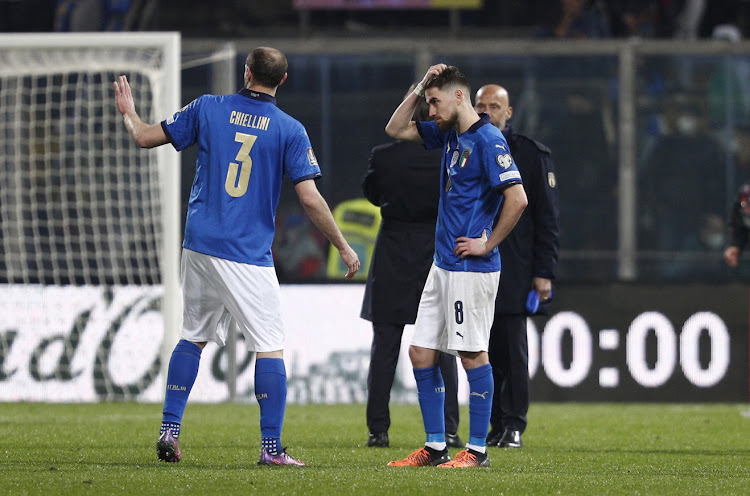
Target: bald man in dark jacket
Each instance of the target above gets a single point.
(529, 257)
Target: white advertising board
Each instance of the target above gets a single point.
(85, 344)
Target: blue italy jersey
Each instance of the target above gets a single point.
(477, 166)
(245, 146)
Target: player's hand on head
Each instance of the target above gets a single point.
(123, 96)
(433, 71)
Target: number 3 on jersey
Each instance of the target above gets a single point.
(235, 187)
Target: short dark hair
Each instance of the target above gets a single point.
(451, 76)
(267, 65)
(422, 110)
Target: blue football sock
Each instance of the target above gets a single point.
(431, 393)
(183, 369)
(270, 391)
(481, 389)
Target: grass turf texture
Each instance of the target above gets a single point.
(576, 449)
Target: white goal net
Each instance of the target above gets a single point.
(80, 205)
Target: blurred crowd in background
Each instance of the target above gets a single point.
(693, 113)
(683, 19)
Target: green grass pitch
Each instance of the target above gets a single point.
(569, 449)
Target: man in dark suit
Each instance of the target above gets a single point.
(529, 257)
(403, 179)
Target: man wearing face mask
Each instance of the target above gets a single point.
(712, 232)
(739, 226)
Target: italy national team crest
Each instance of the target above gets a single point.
(464, 158)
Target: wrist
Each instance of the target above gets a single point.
(419, 90)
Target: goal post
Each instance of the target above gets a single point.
(82, 207)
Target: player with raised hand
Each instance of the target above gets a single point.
(457, 304)
(246, 144)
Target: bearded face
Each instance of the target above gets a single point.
(443, 108)
(449, 122)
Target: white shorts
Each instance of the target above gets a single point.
(221, 296)
(456, 311)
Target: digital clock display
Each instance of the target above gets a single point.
(636, 343)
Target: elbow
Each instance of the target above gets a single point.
(142, 143)
(307, 202)
(308, 198)
(140, 138)
(390, 131)
(519, 202)
(522, 204)
(395, 130)
(145, 141)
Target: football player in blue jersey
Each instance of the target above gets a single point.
(456, 309)
(246, 144)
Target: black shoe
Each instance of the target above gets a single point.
(378, 440)
(453, 441)
(510, 439)
(494, 437)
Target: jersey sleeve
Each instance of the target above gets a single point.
(300, 162)
(545, 211)
(499, 165)
(432, 137)
(182, 127)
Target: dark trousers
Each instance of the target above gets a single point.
(386, 344)
(509, 357)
